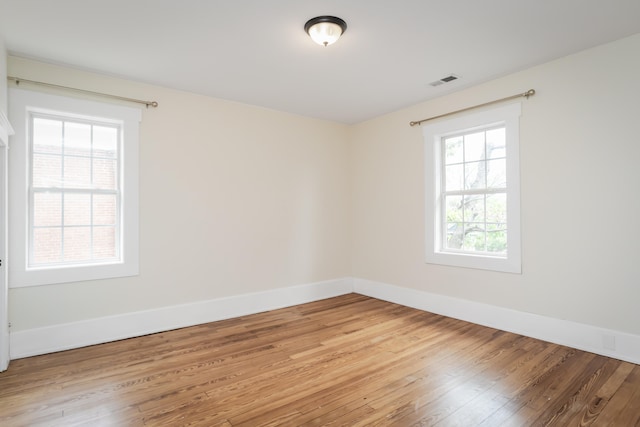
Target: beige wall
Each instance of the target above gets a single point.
(580, 176)
(233, 199)
(237, 199)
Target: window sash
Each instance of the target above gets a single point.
(33, 264)
(485, 190)
(67, 188)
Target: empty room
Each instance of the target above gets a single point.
(304, 213)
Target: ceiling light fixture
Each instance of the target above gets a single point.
(325, 30)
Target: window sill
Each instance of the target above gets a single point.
(482, 262)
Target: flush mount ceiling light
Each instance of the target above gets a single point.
(325, 30)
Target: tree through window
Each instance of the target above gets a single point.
(475, 185)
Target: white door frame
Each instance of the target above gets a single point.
(5, 131)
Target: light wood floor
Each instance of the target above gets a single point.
(350, 360)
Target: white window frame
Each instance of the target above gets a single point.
(509, 117)
(21, 104)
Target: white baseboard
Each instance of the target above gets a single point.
(66, 336)
(606, 342)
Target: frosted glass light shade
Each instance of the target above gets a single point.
(325, 30)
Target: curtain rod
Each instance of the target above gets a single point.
(526, 94)
(18, 80)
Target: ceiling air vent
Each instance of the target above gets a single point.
(444, 80)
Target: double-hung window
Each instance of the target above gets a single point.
(473, 201)
(74, 190)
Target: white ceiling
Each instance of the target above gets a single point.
(256, 51)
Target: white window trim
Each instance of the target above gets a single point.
(20, 103)
(509, 115)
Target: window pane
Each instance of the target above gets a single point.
(455, 235)
(497, 208)
(474, 236)
(47, 245)
(476, 222)
(77, 139)
(47, 136)
(497, 238)
(77, 209)
(77, 172)
(105, 142)
(497, 173)
(455, 177)
(496, 143)
(47, 170)
(474, 147)
(453, 150)
(47, 209)
(474, 208)
(105, 174)
(77, 243)
(474, 175)
(104, 242)
(454, 209)
(104, 209)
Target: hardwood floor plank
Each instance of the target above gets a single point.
(504, 385)
(350, 360)
(546, 390)
(624, 404)
(520, 393)
(560, 399)
(438, 397)
(578, 407)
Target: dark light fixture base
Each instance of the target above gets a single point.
(326, 18)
